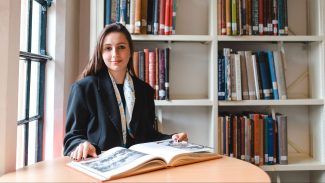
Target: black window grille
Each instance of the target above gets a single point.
(33, 58)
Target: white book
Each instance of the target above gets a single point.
(256, 77)
(279, 72)
(250, 75)
(120, 162)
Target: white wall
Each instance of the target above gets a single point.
(9, 61)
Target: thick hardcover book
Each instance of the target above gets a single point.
(146, 64)
(234, 17)
(257, 82)
(281, 17)
(156, 17)
(255, 19)
(248, 17)
(244, 81)
(167, 17)
(265, 75)
(157, 74)
(167, 53)
(150, 9)
(174, 16)
(279, 72)
(250, 75)
(275, 17)
(120, 162)
(228, 17)
(144, 9)
(162, 89)
(137, 17)
(152, 69)
(107, 12)
(226, 53)
(273, 75)
(282, 139)
(162, 16)
(221, 78)
(132, 14)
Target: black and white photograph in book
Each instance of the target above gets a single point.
(113, 161)
(184, 145)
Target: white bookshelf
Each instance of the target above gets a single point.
(194, 106)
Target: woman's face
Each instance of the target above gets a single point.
(116, 52)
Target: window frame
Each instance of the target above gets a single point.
(42, 58)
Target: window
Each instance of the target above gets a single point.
(32, 64)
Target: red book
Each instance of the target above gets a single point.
(146, 65)
(167, 17)
(152, 69)
(162, 16)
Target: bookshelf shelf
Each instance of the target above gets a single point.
(193, 102)
(271, 38)
(294, 102)
(183, 38)
(297, 162)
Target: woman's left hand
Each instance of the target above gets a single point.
(180, 137)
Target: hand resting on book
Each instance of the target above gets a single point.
(85, 149)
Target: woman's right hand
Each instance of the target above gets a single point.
(82, 151)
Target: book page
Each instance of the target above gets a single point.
(117, 162)
(169, 149)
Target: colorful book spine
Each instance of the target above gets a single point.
(273, 75)
(255, 20)
(107, 12)
(174, 16)
(282, 139)
(156, 17)
(162, 91)
(234, 17)
(162, 16)
(167, 54)
(144, 9)
(152, 69)
(137, 17)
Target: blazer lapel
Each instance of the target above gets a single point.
(109, 100)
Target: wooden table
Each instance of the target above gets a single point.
(220, 170)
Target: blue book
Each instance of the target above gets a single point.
(270, 141)
(107, 12)
(265, 75)
(273, 75)
(221, 78)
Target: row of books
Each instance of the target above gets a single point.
(142, 16)
(152, 66)
(247, 75)
(257, 138)
(253, 17)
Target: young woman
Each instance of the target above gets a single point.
(109, 106)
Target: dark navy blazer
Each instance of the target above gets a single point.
(93, 115)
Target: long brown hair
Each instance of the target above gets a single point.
(96, 63)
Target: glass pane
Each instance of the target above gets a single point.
(36, 27)
(23, 25)
(32, 141)
(20, 146)
(34, 89)
(22, 90)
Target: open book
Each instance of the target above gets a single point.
(122, 162)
